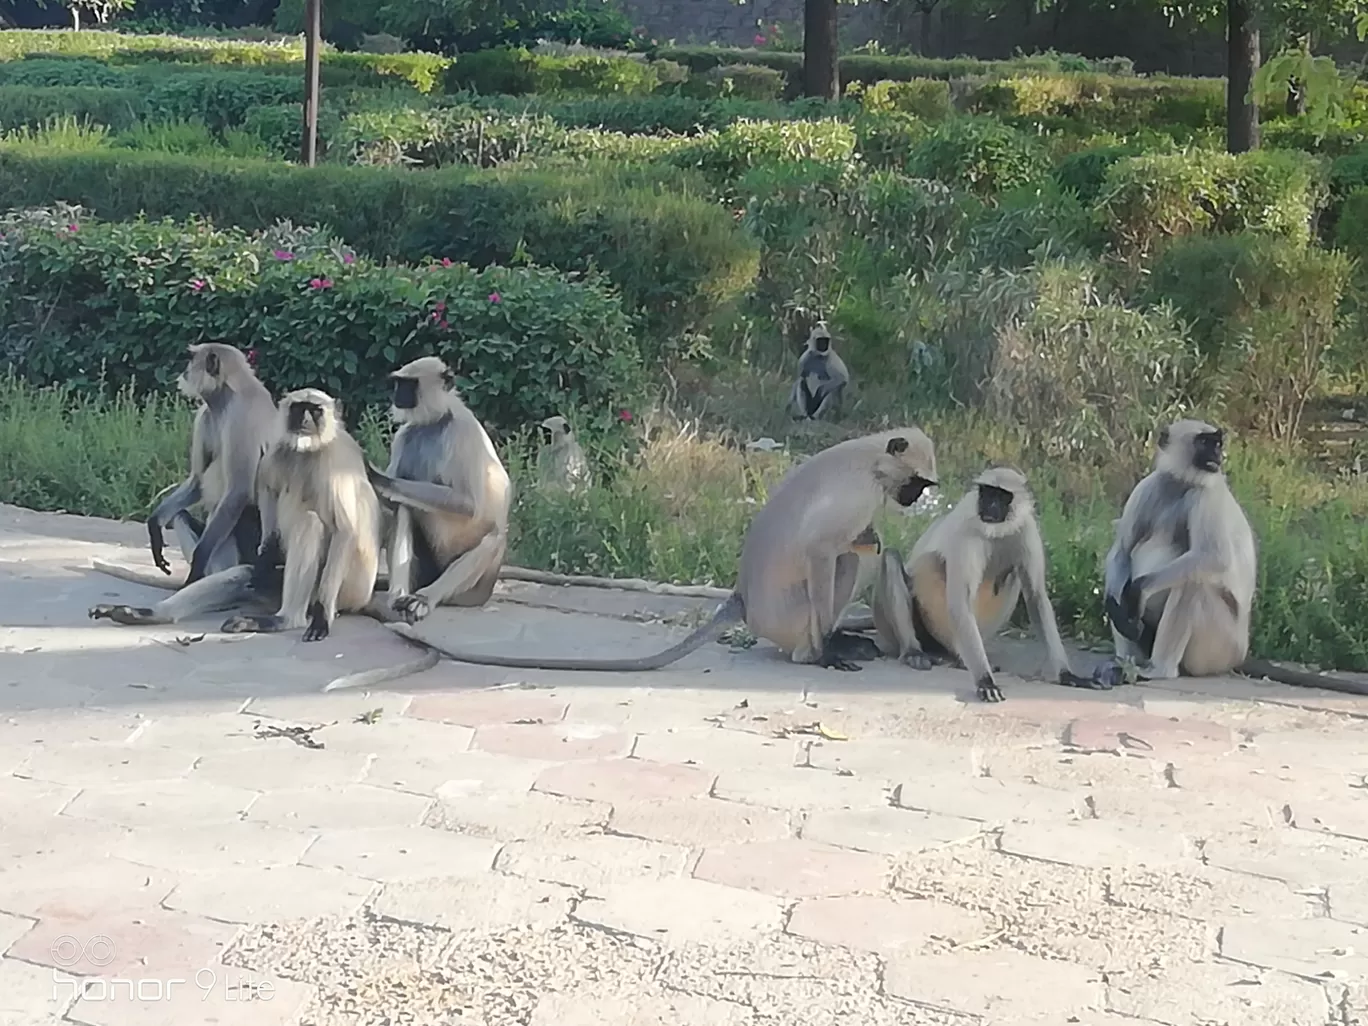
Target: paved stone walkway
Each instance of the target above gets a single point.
(192, 833)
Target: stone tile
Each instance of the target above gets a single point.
(398, 736)
(1203, 993)
(1349, 901)
(69, 727)
(27, 995)
(887, 831)
(344, 807)
(272, 894)
(682, 911)
(200, 732)
(1155, 737)
(1005, 986)
(478, 708)
(1096, 844)
(487, 903)
(204, 846)
(625, 780)
(115, 939)
(593, 862)
(1344, 816)
(553, 742)
(986, 799)
(235, 997)
(1307, 947)
(699, 821)
(162, 803)
(11, 929)
(1206, 893)
(327, 707)
(716, 748)
(800, 788)
(793, 869)
(581, 1008)
(888, 760)
(885, 924)
(394, 853)
(78, 880)
(1301, 858)
(57, 835)
(98, 765)
(278, 762)
(26, 800)
(458, 775)
(530, 816)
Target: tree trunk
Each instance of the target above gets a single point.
(926, 48)
(1295, 105)
(75, 18)
(1242, 61)
(821, 76)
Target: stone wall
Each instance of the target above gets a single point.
(735, 24)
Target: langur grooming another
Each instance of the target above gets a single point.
(451, 492)
(318, 508)
(560, 462)
(232, 430)
(822, 377)
(964, 578)
(800, 557)
(1180, 575)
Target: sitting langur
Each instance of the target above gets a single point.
(232, 429)
(451, 492)
(822, 377)
(800, 557)
(560, 462)
(319, 509)
(1180, 575)
(963, 580)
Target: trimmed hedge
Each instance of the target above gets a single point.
(675, 258)
(122, 299)
(22, 105)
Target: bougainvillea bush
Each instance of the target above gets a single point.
(114, 304)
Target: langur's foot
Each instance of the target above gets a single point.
(317, 628)
(852, 646)
(918, 661)
(1148, 671)
(411, 607)
(1128, 626)
(1097, 682)
(988, 690)
(129, 616)
(245, 623)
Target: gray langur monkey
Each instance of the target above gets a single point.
(231, 432)
(1181, 572)
(822, 377)
(963, 581)
(320, 511)
(561, 463)
(451, 495)
(799, 559)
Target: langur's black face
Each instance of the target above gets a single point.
(821, 343)
(1208, 451)
(994, 504)
(405, 393)
(305, 418)
(911, 490)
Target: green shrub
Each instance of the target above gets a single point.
(889, 139)
(675, 258)
(169, 137)
(124, 298)
(518, 71)
(1156, 196)
(1262, 312)
(447, 136)
(981, 155)
(503, 70)
(280, 127)
(1351, 227)
(729, 154)
(45, 72)
(928, 99)
(1084, 172)
(33, 105)
(220, 101)
(747, 81)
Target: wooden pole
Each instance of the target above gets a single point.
(313, 39)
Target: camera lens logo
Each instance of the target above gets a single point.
(67, 951)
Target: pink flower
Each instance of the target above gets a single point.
(494, 297)
(625, 416)
(441, 306)
(349, 258)
(442, 324)
(759, 40)
(283, 254)
(252, 357)
(446, 261)
(197, 284)
(320, 283)
(73, 228)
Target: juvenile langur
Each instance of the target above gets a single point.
(231, 431)
(1180, 575)
(561, 463)
(963, 580)
(822, 377)
(799, 558)
(319, 510)
(451, 492)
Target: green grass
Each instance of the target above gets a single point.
(677, 510)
